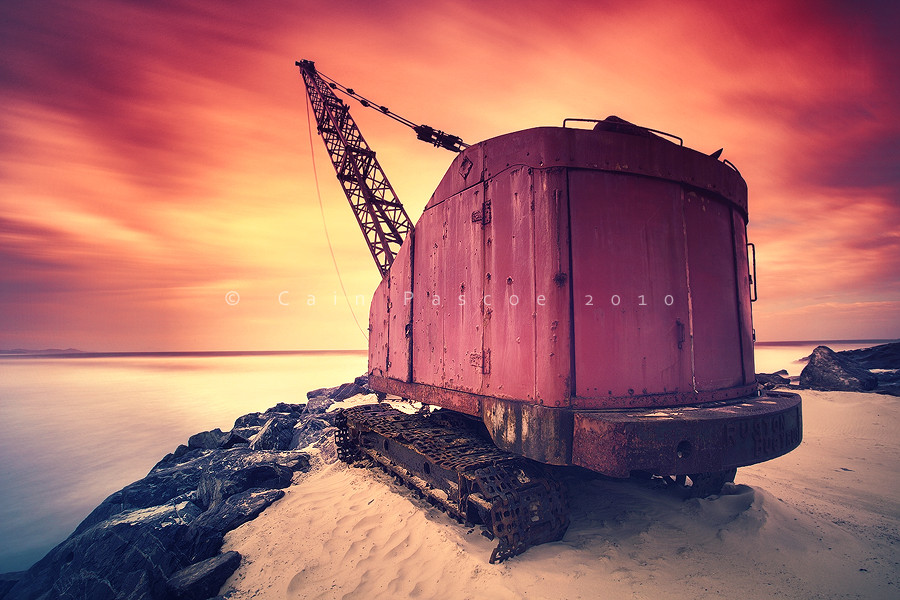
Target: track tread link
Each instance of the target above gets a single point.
(455, 465)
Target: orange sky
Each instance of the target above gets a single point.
(155, 156)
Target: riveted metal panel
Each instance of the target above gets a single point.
(652, 157)
(509, 290)
(459, 285)
(378, 330)
(630, 291)
(715, 321)
(742, 271)
(428, 327)
(466, 171)
(400, 313)
(552, 283)
(685, 440)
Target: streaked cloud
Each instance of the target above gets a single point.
(154, 155)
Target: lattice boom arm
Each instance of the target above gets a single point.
(380, 215)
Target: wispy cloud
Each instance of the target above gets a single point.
(157, 151)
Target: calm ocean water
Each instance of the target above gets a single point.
(74, 430)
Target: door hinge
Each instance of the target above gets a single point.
(482, 216)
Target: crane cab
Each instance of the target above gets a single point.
(587, 294)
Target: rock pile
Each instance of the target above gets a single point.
(874, 369)
(160, 537)
(829, 370)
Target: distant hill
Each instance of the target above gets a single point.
(45, 352)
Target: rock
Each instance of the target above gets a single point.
(772, 380)
(285, 408)
(317, 405)
(203, 579)
(309, 432)
(250, 420)
(206, 440)
(276, 434)
(827, 370)
(205, 536)
(127, 556)
(233, 439)
(885, 356)
(344, 391)
(246, 432)
(164, 482)
(8, 580)
(240, 469)
(348, 390)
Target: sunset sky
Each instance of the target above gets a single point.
(155, 156)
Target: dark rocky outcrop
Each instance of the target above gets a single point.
(7, 580)
(769, 381)
(206, 440)
(276, 434)
(160, 537)
(203, 579)
(885, 356)
(342, 392)
(828, 370)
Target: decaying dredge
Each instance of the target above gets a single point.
(581, 296)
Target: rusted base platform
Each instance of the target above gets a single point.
(689, 439)
(710, 437)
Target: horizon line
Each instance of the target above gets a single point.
(74, 352)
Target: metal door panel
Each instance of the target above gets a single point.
(509, 290)
(400, 305)
(460, 289)
(551, 266)
(715, 318)
(630, 291)
(428, 333)
(378, 330)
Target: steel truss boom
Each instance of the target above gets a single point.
(380, 215)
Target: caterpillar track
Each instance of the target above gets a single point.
(453, 463)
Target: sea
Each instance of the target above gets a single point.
(74, 429)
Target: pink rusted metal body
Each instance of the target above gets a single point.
(587, 294)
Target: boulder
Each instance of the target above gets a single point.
(250, 420)
(344, 391)
(127, 556)
(206, 440)
(165, 481)
(205, 535)
(317, 405)
(829, 371)
(240, 469)
(276, 434)
(885, 356)
(286, 409)
(770, 381)
(8, 580)
(233, 439)
(309, 432)
(203, 579)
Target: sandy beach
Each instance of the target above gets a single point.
(820, 522)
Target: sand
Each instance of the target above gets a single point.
(821, 522)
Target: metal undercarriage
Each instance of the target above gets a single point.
(453, 463)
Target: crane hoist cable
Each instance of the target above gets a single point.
(425, 133)
(337, 270)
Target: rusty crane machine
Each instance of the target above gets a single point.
(569, 296)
